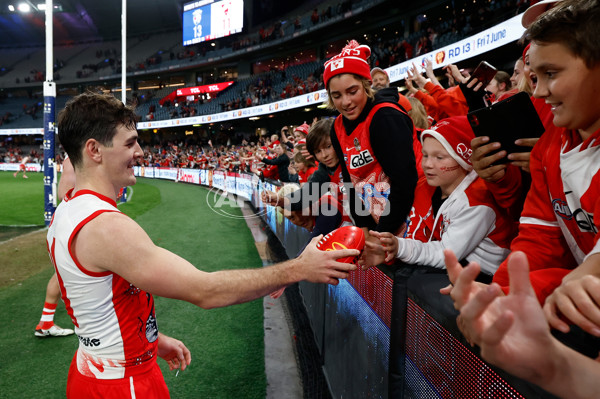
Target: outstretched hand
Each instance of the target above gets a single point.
(511, 330)
(319, 266)
(388, 243)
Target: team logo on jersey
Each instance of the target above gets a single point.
(445, 224)
(357, 144)
(151, 328)
(561, 208)
(361, 159)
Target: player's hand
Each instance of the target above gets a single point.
(521, 159)
(483, 163)
(174, 352)
(319, 266)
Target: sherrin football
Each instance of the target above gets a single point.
(346, 237)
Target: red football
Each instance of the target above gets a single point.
(346, 237)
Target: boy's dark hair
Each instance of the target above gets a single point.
(299, 158)
(91, 116)
(574, 24)
(318, 133)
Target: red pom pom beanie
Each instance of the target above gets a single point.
(352, 59)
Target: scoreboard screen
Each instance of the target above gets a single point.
(209, 19)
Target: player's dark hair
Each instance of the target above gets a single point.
(91, 116)
(575, 25)
(318, 134)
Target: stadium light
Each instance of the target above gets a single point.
(24, 7)
(41, 7)
(11, 8)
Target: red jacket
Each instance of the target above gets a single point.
(559, 224)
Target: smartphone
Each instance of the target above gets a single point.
(506, 121)
(484, 73)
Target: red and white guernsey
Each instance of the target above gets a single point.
(469, 222)
(114, 321)
(560, 220)
(370, 181)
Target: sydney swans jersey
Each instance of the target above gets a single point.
(559, 223)
(371, 183)
(114, 321)
(469, 222)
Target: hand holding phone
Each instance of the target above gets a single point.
(507, 121)
(484, 73)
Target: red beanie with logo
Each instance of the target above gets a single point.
(352, 59)
(455, 135)
(303, 128)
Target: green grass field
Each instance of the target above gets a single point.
(227, 344)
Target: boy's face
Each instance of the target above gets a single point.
(568, 85)
(441, 170)
(325, 153)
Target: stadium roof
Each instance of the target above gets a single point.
(86, 20)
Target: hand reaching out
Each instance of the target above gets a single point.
(414, 75)
(409, 85)
(387, 243)
(429, 72)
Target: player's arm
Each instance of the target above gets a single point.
(114, 242)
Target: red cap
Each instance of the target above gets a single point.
(352, 59)
(379, 70)
(534, 11)
(455, 135)
(303, 128)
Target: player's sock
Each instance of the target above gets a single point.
(47, 319)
